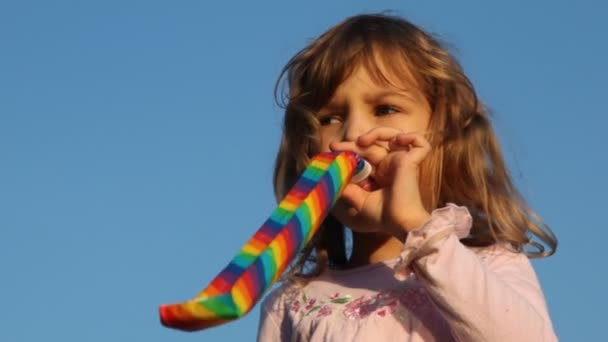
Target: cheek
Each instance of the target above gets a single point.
(408, 124)
(326, 136)
(424, 119)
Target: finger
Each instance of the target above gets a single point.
(337, 146)
(415, 147)
(378, 134)
(354, 196)
(408, 141)
(373, 154)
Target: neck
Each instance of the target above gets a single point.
(369, 248)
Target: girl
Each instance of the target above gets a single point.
(440, 236)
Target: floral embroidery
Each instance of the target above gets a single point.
(295, 306)
(324, 311)
(310, 304)
(359, 308)
(396, 302)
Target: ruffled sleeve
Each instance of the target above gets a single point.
(450, 220)
(489, 294)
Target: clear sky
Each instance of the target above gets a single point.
(137, 141)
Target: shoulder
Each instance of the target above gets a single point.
(281, 295)
(502, 258)
(500, 252)
(275, 323)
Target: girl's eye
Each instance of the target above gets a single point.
(329, 120)
(386, 110)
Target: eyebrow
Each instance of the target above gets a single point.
(376, 96)
(372, 97)
(328, 108)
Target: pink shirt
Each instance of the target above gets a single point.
(437, 290)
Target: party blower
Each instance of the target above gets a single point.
(260, 263)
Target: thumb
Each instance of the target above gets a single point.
(354, 196)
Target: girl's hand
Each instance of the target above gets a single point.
(391, 200)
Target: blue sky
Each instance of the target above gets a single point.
(137, 141)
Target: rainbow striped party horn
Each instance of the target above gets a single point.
(260, 263)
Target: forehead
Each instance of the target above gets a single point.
(377, 75)
(390, 69)
(318, 75)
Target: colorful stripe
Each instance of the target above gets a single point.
(260, 263)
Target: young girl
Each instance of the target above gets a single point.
(440, 236)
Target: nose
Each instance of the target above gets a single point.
(355, 126)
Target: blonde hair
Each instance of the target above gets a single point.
(465, 166)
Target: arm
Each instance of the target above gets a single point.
(492, 295)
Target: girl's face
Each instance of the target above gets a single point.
(361, 103)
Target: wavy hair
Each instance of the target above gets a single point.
(465, 165)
